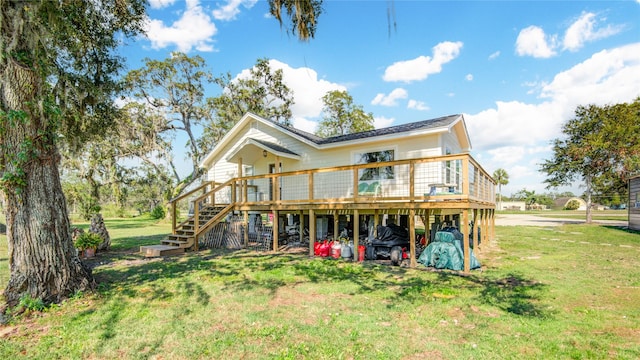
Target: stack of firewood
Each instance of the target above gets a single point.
(98, 227)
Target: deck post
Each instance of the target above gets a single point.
(276, 231)
(485, 225)
(412, 237)
(173, 217)
(312, 231)
(335, 226)
(246, 227)
(356, 233)
(376, 221)
(475, 229)
(412, 181)
(488, 220)
(240, 182)
(465, 240)
(427, 226)
(277, 181)
(465, 178)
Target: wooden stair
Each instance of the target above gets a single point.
(184, 237)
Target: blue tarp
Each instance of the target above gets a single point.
(445, 252)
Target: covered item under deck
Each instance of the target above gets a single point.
(445, 252)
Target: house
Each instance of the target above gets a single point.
(634, 203)
(512, 205)
(561, 203)
(421, 170)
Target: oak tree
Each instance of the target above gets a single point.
(341, 116)
(57, 73)
(601, 146)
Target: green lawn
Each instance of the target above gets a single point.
(622, 215)
(565, 292)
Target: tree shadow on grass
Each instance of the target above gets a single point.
(248, 271)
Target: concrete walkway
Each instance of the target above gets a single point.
(533, 220)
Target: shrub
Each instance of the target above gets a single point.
(572, 205)
(158, 212)
(87, 240)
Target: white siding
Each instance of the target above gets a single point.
(340, 184)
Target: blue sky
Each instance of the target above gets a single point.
(515, 69)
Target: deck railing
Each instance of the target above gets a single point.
(450, 178)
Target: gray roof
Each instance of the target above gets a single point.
(419, 125)
(274, 147)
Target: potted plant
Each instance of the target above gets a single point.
(87, 243)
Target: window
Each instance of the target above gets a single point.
(379, 173)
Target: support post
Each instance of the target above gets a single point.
(465, 245)
(376, 222)
(427, 227)
(356, 233)
(312, 230)
(245, 215)
(240, 190)
(173, 217)
(412, 238)
(335, 226)
(276, 230)
(476, 229)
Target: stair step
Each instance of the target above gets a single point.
(160, 250)
(174, 242)
(180, 236)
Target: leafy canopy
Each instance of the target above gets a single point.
(341, 116)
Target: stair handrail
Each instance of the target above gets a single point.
(175, 200)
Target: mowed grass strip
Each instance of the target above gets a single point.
(562, 292)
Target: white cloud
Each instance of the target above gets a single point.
(532, 41)
(159, 4)
(421, 67)
(516, 136)
(417, 105)
(469, 77)
(304, 124)
(608, 76)
(583, 30)
(307, 88)
(380, 122)
(391, 99)
(507, 155)
(515, 123)
(231, 9)
(194, 29)
(497, 53)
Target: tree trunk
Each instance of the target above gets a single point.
(42, 260)
(588, 193)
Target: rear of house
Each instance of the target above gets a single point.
(262, 170)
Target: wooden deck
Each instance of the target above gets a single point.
(452, 185)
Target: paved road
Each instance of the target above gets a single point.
(532, 220)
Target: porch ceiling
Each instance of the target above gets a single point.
(252, 150)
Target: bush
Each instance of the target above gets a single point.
(88, 240)
(158, 212)
(572, 205)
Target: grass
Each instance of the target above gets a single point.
(562, 292)
(621, 215)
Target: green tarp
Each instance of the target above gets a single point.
(445, 252)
